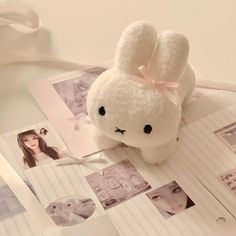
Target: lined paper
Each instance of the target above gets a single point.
(52, 182)
(191, 167)
(14, 221)
(207, 156)
(19, 225)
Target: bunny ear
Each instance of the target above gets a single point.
(135, 47)
(170, 56)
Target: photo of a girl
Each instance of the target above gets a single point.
(170, 199)
(35, 149)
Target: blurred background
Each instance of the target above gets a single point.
(86, 31)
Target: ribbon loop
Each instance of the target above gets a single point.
(168, 88)
(85, 161)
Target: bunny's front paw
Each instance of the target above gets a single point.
(159, 154)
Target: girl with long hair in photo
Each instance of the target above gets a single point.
(35, 149)
(170, 199)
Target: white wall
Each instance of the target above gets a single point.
(87, 30)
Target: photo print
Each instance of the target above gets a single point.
(9, 203)
(170, 199)
(35, 145)
(70, 210)
(74, 91)
(228, 135)
(118, 183)
(229, 180)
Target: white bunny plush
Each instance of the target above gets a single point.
(139, 100)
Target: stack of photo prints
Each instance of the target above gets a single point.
(187, 195)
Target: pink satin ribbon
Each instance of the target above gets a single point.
(168, 88)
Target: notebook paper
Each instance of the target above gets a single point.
(208, 156)
(140, 213)
(52, 182)
(23, 223)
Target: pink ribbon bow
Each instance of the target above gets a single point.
(166, 87)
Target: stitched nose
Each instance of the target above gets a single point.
(118, 130)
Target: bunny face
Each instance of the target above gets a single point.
(130, 112)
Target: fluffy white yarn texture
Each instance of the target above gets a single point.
(124, 110)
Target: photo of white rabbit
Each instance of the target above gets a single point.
(70, 210)
(119, 182)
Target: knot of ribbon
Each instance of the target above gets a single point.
(86, 161)
(168, 88)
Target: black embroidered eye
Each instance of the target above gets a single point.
(101, 111)
(147, 129)
(54, 207)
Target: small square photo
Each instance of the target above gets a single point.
(32, 146)
(35, 150)
(74, 91)
(170, 199)
(228, 135)
(229, 180)
(118, 183)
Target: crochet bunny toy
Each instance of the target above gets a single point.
(139, 100)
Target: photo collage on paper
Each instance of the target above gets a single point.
(121, 181)
(113, 187)
(37, 146)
